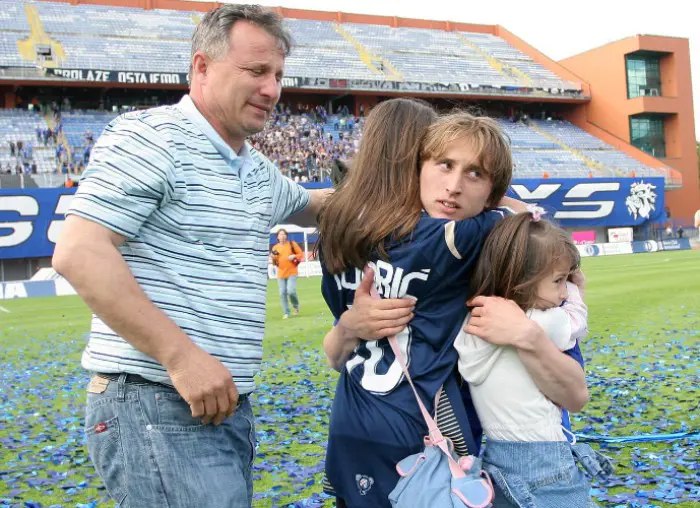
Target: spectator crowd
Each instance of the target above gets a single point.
(21, 158)
(305, 140)
(68, 162)
(302, 140)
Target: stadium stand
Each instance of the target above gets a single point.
(117, 54)
(20, 126)
(79, 124)
(9, 56)
(12, 16)
(571, 135)
(576, 155)
(125, 39)
(60, 18)
(303, 144)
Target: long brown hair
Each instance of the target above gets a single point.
(380, 197)
(518, 254)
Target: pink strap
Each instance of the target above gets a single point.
(435, 435)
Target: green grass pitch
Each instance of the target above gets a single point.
(642, 366)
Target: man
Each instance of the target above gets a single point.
(167, 242)
(697, 222)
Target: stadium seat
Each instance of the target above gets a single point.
(20, 125)
(125, 39)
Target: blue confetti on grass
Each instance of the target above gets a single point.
(642, 381)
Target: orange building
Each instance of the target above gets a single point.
(636, 92)
(641, 94)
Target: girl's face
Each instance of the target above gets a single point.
(453, 186)
(552, 291)
(281, 237)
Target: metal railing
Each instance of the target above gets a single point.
(26, 181)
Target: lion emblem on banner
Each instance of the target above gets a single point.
(642, 200)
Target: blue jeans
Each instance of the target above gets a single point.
(149, 451)
(288, 287)
(543, 474)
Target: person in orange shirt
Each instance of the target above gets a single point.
(286, 256)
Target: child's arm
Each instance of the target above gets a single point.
(577, 312)
(566, 324)
(513, 204)
(338, 344)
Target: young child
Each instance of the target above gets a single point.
(528, 260)
(416, 207)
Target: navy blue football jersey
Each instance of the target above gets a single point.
(375, 421)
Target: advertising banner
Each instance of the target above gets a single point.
(583, 237)
(620, 235)
(610, 202)
(30, 219)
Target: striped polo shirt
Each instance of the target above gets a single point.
(197, 219)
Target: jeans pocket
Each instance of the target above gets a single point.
(173, 414)
(594, 463)
(105, 450)
(512, 489)
(253, 441)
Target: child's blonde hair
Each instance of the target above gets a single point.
(518, 254)
(492, 147)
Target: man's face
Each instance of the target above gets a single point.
(241, 90)
(452, 186)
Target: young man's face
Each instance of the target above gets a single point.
(452, 186)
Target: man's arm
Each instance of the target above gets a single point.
(556, 374)
(87, 256)
(514, 204)
(308, 217)
(131, 174)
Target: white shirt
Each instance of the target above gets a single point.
(509, 404)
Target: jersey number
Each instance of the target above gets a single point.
(371, 381)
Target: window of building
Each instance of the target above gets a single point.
(647, 134)
(643, 75)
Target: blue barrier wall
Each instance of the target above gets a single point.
(30, 219)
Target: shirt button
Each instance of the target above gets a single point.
(149, 427)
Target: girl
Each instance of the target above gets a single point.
(528, 261)
(416, 208)
(286, 256)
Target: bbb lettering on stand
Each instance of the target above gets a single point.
(603, 202)
(31, 220)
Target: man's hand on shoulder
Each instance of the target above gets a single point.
(308, 217)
